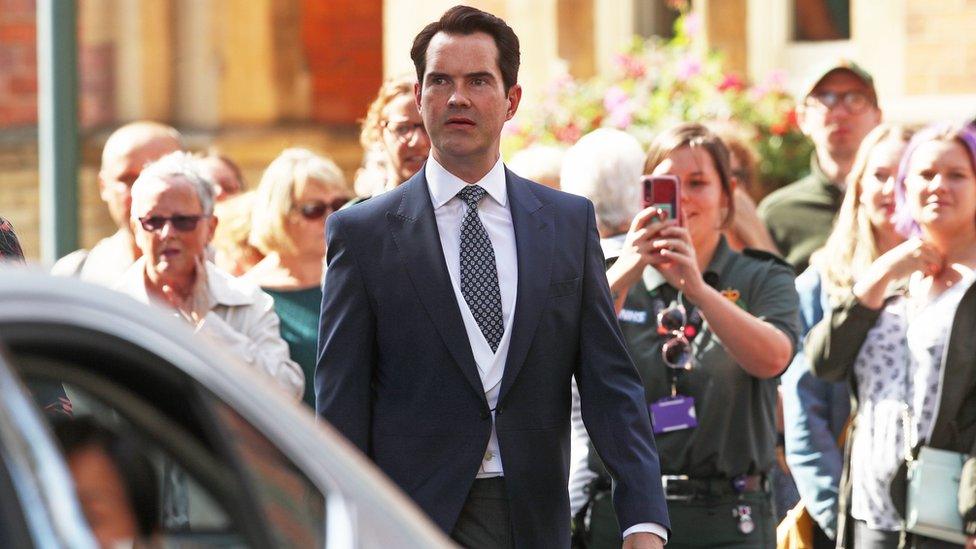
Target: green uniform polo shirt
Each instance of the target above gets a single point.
(736, 432)
(801, 215)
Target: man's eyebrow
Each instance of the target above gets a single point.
(482, 74)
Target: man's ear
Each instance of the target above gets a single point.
(514, 98)
(416, 95)
(801, 119)
(102, 190)
(211, 227)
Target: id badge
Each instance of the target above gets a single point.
(673, 414)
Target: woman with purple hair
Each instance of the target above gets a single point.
(906, 341)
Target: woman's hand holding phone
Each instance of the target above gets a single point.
(639, 250)
(674, 257)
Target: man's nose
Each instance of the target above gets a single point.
(167, 229)
(458, 97)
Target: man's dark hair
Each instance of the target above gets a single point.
(465, 20)
(138, 475)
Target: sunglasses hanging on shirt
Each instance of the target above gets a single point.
(680, 327)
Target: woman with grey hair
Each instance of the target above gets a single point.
(173, 223)
(605, 166)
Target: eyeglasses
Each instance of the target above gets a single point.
(854, 102)
(677, 349)
(318, 209)
(182, 223)
(404, 131)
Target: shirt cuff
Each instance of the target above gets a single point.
(649, 527)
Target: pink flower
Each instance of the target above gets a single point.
(631, 66)
(776, 80)
(731, 82)
(621, 117)
(614, 97)
(512, 127)
(688, 67)
(693, 24)
(568, 134)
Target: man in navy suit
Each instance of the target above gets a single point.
(456, 310)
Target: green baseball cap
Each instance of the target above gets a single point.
(840, 64)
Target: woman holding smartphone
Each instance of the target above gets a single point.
(709, 330)
(904, 340)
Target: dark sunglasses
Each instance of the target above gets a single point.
(676, 351)
(182, 223)
(318, 209)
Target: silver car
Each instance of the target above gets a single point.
(242, 465)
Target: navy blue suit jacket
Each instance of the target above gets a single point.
(396, 375)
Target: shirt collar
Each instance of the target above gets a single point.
(821, 176)
(720, 259)
(222, 288)
(443, 185)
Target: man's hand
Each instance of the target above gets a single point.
(643, 540)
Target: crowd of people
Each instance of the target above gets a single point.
(794, 357)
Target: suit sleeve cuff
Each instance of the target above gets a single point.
(649, 527)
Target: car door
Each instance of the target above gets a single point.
(240, 463)
(38, 507)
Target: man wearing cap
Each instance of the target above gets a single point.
(839, 108)
(126, 152)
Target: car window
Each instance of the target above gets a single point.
(222, 482)
(203, 496)
(189, 511)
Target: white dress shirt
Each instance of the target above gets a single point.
(496, 217)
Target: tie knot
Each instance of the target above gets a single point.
(472, 194)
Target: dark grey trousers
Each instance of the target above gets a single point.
(485, 520)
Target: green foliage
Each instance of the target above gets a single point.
(658, 83)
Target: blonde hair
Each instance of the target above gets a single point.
(851, 246)
(274, 198)
(390, 90)
(233, 253)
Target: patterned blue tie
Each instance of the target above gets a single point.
(479, 275)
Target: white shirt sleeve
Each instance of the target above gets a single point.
(649, 527)
(261, 347)
(580, 473)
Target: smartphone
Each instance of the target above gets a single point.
(662, 192)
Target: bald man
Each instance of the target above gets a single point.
(126, 152)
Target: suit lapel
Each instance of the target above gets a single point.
(418, 242)
(534, 242)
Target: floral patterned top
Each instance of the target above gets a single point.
(898, 373)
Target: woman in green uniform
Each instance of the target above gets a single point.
(709, 330)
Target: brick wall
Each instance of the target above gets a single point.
(18, 71)
(18, 64)
(941, 52)
(343, 37)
